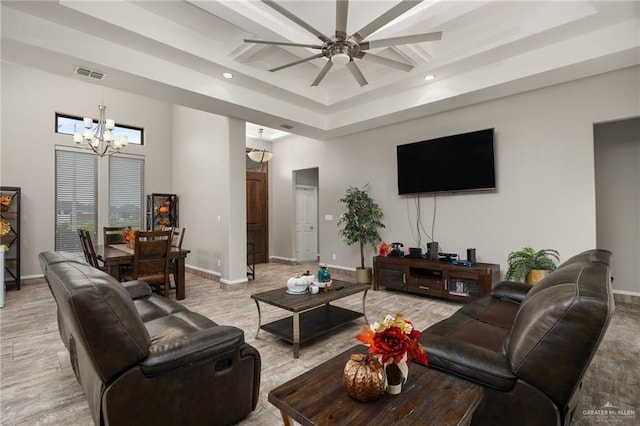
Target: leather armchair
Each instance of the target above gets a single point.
(529, 346)
(145, 360)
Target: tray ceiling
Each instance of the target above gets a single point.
(178, 51)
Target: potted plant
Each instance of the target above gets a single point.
(530, 266)
(361, 224)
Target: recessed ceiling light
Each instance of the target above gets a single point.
(430, 77)
(227, 75)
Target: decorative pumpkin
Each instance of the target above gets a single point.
(297, 285)
(163, 209)
(364, 378)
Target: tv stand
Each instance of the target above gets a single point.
(435, 278)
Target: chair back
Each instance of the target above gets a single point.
(177, 235)
(151, 258)
(87, 247)
(113, 235)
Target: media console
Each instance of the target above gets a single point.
(435, 278)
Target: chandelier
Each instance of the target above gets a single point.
(100, 139)
(260, 155)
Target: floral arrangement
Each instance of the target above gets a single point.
(128, 234)
(384, 249)
(394, 340)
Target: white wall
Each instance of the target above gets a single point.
(208, 149)
(30, 99)
(617, 167)
(545, 193)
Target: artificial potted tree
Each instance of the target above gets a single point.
(530, 266)
(361, 224)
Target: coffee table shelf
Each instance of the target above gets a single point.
(313, 323)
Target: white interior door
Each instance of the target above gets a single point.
(306, 223)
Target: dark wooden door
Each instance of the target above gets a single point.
(257, 214)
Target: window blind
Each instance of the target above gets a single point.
(126, 191)
(76, 198)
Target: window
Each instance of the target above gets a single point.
(126, 191)
(76, 198)
(69, 124)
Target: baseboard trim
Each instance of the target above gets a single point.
(283, 260)
(203, 273)
(628, 297)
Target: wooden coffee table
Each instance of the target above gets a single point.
(313, 316)
(429, 397)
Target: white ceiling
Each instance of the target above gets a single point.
(178, 50)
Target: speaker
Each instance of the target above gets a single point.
(471, 255)
(432, 250)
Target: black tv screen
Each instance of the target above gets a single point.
(452, 163)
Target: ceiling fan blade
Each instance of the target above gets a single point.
(355, 71)
(284, 43)
(385, 61)
(322, 73)
(394, 41)
(342, 11)
(384, 19)
(275, 6)
(319, 55)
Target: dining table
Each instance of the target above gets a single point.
(115, 255)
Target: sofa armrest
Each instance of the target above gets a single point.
(184, 350)
(137, 289)
(469, 361)
(511, 290)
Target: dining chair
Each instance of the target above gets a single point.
(177, 235)
(151, 259)
(113, 235)
(88, 249)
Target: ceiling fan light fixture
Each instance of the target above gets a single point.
(341, 59)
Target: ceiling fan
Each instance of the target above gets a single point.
(342, 49)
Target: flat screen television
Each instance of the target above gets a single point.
(461, 162)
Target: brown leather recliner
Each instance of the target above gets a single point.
(529, 346)
(146, 360)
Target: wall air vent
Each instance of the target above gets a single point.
(89, 73)
(286, 126)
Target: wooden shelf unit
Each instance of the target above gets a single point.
(156, 220)
(12, 238)
(434, 278)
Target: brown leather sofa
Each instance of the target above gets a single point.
(529, 346)
(146, 360)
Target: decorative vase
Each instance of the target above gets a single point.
(394, 379)
(363, 275)
(536, 275)
(364, 378)
(324, 276)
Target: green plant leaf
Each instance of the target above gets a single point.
(361, 221)
(522, 261)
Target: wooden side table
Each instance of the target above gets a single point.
(429, 397)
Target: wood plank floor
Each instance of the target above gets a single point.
(37, 385)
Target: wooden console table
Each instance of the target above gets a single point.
(434, 278)
(429, 397)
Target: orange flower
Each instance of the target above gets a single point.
(5, 201)
(384, 249)
(392, 339)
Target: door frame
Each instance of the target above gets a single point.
(317, 220)
(265, 171)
